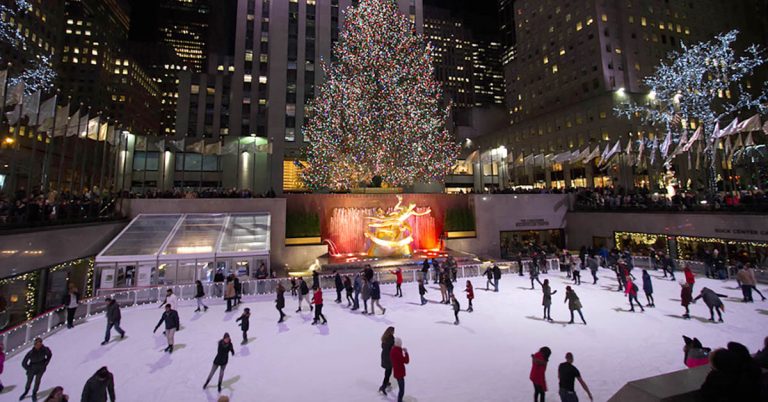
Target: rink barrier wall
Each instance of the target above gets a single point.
(17, 338)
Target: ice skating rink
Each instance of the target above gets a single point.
(485, 358)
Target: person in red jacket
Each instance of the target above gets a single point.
(538, 373)
(399, 357)
(398, 281)
(631, 290)
(689, 278)
(686, 297)
(317, 300)
(470, 295)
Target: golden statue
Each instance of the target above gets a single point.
(389, 233)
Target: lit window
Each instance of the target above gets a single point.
(546, 60)
(554, 68)
(579, 26)
(262, 79)
(247, 78)
(643, 21)
(604, 17)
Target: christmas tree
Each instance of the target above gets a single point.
(36, 70)
(380, 110)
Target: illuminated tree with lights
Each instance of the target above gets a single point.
(37, 73)
(379, 113)
(705, 83)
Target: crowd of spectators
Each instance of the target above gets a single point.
(36, 208)
(641, 200)
(178, 193)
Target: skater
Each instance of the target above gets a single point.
(34, 363)
(496, 277)
(448, 285)
(238, 289)
(746, 278)
(565, 263)
(317, 300)
(437, 269)
(574, 304)
(567, 373)
(456, 308)
(547, 299)
(315, 279)
(244, 320)
(170, 299)
(280, 301)
(470, 295)
(689, 278)
(368, 273)
(425, 271)
(71, 300)
(303, 294)
(686, 297)
(712, 300)
(339, 286)
(538, 373)
(218, 284)
(648, 289)
(631, 292)
(171, 319)
(358, 287)
(230, 295)
(223, 351)
(668, 265)
(199, 294)
(113, 319)
(489, 275)
(2, 364)
(348, 289)
(621, 275)
(444, 298)
(593, 266)
(294, 287)
(519, 261)
(749, 268)
(575, 272)
(375, 297)
(398, 282)
(398, 355)
(57, 395)
(365, 292)
(387, 342)
(99, 386)
(422, 292)
(534, 274)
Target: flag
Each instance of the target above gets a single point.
(73, 124)
(738, 144)
(765, 127)
(666, 144)
(103, 129)
(62, 118)
(654, 147)
(82, 126)
(196, 147)
(93, 129)
(15, 94)
(14, 115)
(562, 157)
(267, 148)
(729, 129)
(213, 148)
(640, 151)
(695, 137)
(726, 146)
(111, 135)
(575, 156)
(698, 157)
(583, 155)
(749, 141)
(528, 160)
(177, 145)
(160, 145)
(750, 124)
(520, 160)
(538, 159)
(3, 79)
(680, 145)
(31, 106)
(592, 155)
(629, 147)
(45, 117)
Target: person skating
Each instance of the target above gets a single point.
(339, 286)
(489, 276)
(238, 289)
(57, 395)
(470, 295)
(70, 301)
(533, 272)
(519, 261)
(448, 285)
(713, 302)
(538, 373)
(375, 297)
(456, 308)
(686, 298)
(199, 294)
(689, 277)
(170, 300)
(398, 355)
(436, 268)
(648, 289)
(35, 363)
(223, 350)
(2, 365)
(171, 319)
(365, 293)
(368, 273)
(398, 282)
(496, 277)
(422, 292)
(444, 298)
(749, 268)
(357, 285)
(113, 319)
(280, 301)
(387, 342)
(315, 279)
(746, 278)
(230, 295)
(303, 294)
(245, 321)
(546, 301)
(348, 288)
(567, 374)
(218, 284)
(621, 274)
(593, 266)
(575, 271)
(425, 271)
(574, 304)
(317, 300)
(631, 292)
(99, 386)
(294, 287)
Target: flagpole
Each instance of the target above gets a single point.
(103, 156)
(184, 163)
(163, 162)
(63, 153)
(202, 156)
(44, 182)
(237, 169)
(92, 176)
(15, 147)
(116, 148)
(144, 174)
(33, 155)
(85, 150)
(125, 161)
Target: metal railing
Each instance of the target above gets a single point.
(18, 337)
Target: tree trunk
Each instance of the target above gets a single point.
(711, 173)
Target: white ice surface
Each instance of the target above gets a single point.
(486, 358)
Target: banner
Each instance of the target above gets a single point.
(93, 129)
(751, 124)
(46, 115)
(31, 107)
(15, 94)
(73, 123)
(62, 118)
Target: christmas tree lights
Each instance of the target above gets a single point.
(38, 73)
(379, 112)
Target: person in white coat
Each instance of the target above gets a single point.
(170, 299)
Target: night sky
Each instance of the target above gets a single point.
(481, 16)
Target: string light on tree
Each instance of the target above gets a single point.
(38, 73)
(379, 111)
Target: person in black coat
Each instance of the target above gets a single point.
(280, 301)
(101, 384)
(70, 301)
(425, 271)
(244, 320)
(34, 363)
(171, 319)
(387, 341)
(448, 285)
(218, 283)
(199, 294)
(221, 359)
(339, 286)
(238, 289)
(303, 294)
(348, 288)
(113, 319)
(456, 309)
(496, 277)
(713, 302)
(315, 279)
(368, 273)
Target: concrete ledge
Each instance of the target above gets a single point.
(677, 386)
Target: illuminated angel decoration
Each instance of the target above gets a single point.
(389, 233)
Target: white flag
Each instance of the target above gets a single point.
(695, 137)
(62, 118)
(14, 115)
(640, 151)
(111, 137)
(749, 141)
(92, 132)
(47, 112)
(750, 124)
(73, 126)
(605, 153)
(665, 145)
(592, 155)
(82, 126)
(31, 106)
(103, 129)
(654, 147)
(213, 148)
(616, 149)
(15, 94)
(729, 129)
(196, 147)
(629, 147)
(3, 79)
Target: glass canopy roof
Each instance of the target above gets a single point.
(172, 236)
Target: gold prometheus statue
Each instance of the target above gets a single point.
(389, 233)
